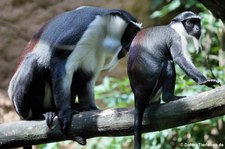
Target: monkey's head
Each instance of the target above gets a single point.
(127, 38)
(133, 26)
(122, 29)
(191, 23)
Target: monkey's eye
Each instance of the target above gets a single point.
(190, 23)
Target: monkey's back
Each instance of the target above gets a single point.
(149, 51)
(151, 44)
(155, 41)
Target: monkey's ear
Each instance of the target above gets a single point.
(129, 35)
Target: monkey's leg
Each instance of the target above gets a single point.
(86, 97)
(61, 89)
(169, 77)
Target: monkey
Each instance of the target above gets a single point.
(63, 59)
(153, 53)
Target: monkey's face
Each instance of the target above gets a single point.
(193, 27)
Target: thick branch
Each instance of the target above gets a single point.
(117, 122)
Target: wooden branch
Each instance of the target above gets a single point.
(116, 122)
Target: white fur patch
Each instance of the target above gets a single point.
(100, 41)
(138, 24)
(179, 28)
(185, 39)
(82, 7)
(42, 49)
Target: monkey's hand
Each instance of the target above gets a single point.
(65, 117)
(210, 83)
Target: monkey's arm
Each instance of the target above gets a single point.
(61, 93)
(188, 67)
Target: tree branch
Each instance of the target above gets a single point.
(116, 122)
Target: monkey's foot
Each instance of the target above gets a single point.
(49, 116)
(172, 98)
(65, 117)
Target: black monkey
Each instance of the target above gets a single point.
(151, 59)
(64, 58)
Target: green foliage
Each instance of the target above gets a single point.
(114, 93)
(166, 9)
(110, 143)
(172, 6)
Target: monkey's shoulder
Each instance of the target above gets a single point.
(163, 30)
(156, 34)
